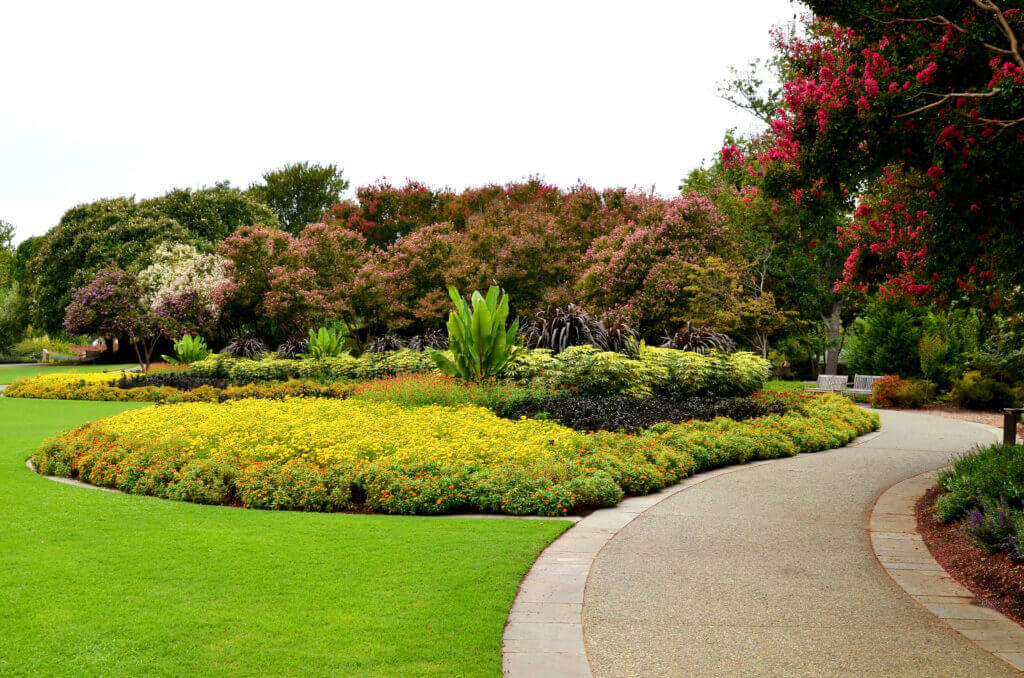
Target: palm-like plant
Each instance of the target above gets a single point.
(324, 343)
(188, 350)
(477, 338)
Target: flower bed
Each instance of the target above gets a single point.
(326, 455)
(101, 386)
(985, 490)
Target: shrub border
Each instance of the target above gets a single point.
(903, 555)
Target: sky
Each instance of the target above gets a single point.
(102, 99)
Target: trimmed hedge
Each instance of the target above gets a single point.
(581, 368)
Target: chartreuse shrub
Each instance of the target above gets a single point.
(321, 454)
(985, 489)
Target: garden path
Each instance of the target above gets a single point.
(769, 570)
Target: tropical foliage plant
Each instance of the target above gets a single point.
(323, 343)
(480, 344)
(188, 350)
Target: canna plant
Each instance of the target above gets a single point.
(324, 343)
(477, 338)
(188, 350)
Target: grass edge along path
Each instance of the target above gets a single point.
(101, 583)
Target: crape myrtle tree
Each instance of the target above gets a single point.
(912, 114)
(111, 305)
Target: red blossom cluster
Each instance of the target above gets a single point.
(915, 119)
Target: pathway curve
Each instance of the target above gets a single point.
(769, 570)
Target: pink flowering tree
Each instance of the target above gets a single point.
(921, 103)
(640, 272)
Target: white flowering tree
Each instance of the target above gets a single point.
(179, 285)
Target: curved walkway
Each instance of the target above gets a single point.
(769, 570)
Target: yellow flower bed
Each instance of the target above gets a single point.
(326, 454)
(325, 431)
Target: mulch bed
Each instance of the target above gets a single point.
(991, 577)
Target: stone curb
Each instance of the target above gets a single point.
(905, 557)
(544, 633)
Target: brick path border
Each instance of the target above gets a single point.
(905, 557)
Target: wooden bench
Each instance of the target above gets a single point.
(862, 384)
(827, 383)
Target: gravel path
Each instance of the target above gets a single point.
(769, 571)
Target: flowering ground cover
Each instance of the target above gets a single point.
(376, 454)
(115, 584)
(10, 374)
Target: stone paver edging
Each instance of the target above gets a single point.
(544, 633)
(904, 555)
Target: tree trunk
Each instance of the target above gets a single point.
(833, 328)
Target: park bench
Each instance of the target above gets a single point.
(862, 384)
(827, 383)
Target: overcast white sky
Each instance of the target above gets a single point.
(103, 99)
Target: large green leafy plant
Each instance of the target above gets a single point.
(324, 343)
(188, 350)
(477, 338)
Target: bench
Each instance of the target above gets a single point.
(1010, 417)
(863, 384)
(827, 383)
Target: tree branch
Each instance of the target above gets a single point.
(1004, 27)
(943, 98)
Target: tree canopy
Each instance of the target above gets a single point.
(301, 193)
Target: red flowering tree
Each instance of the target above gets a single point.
(921, 103)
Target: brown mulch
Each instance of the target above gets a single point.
(954, 412)
(991, 577)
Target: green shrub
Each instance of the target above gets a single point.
(992, 472)
(216, 366)
(589, 370)
(886, 340)
(327, 370)
(978, 392)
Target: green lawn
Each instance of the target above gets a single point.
(786, 386)
(98, 583)
(9, 374)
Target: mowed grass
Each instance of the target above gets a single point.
(784, 386)
(10, 373)
(99, 583)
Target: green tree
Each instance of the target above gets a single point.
(301, 193)
(125, 233)
(7, 253)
